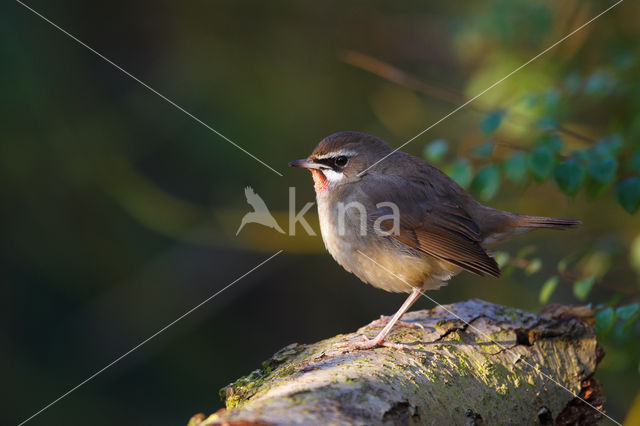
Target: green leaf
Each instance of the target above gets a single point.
(595, 263)
(554, 142)
(547, 124)
(603, 168)
(562, 265)
(540, 162)
(552, 97)
(491, 122)
(604, 320)
(501, 258)
(435, 151)
(598, 82)
(628, 194)
(568, 176)
(547, 289)
(631, 321)
(525, 251)
(460, 171)
(568, 260)
(573, 82)
(624, 60)
(486, 183)
(515, 168)
(484, 150)
(610, 145)
(582, 287)
(582, 155)
(626, 312)
(533, 266)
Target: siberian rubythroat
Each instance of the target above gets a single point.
(400, 224)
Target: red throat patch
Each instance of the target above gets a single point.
(320, 180)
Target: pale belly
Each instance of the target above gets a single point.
(375, 259)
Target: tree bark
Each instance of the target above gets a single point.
(498, 366)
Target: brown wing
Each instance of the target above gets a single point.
(433, 223)
(447, 233)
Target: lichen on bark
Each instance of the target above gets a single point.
(474, 362)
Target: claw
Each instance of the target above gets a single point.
(389, 322)
(364, 344)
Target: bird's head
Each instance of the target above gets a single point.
(342, 158)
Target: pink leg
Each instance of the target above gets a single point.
(384, 320)
(379, 339)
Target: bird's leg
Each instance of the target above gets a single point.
(384, 320)
(379, 339)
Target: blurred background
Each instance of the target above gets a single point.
(120, 211)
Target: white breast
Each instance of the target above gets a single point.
(335, 244)
(393, 269)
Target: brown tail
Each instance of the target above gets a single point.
(499, 225)
(523, 221)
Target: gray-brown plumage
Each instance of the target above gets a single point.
(441, 229)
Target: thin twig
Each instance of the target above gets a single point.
(390, 72)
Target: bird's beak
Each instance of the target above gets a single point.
(306, 163)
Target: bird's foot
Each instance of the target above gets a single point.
(384, 320)
(367, 343)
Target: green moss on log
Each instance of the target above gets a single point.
(496, 366)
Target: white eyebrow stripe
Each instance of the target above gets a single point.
(336, 154)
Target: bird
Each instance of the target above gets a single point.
(429, 228)
(260, 213)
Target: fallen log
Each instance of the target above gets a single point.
(474, 363)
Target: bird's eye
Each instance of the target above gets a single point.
(341, 161)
